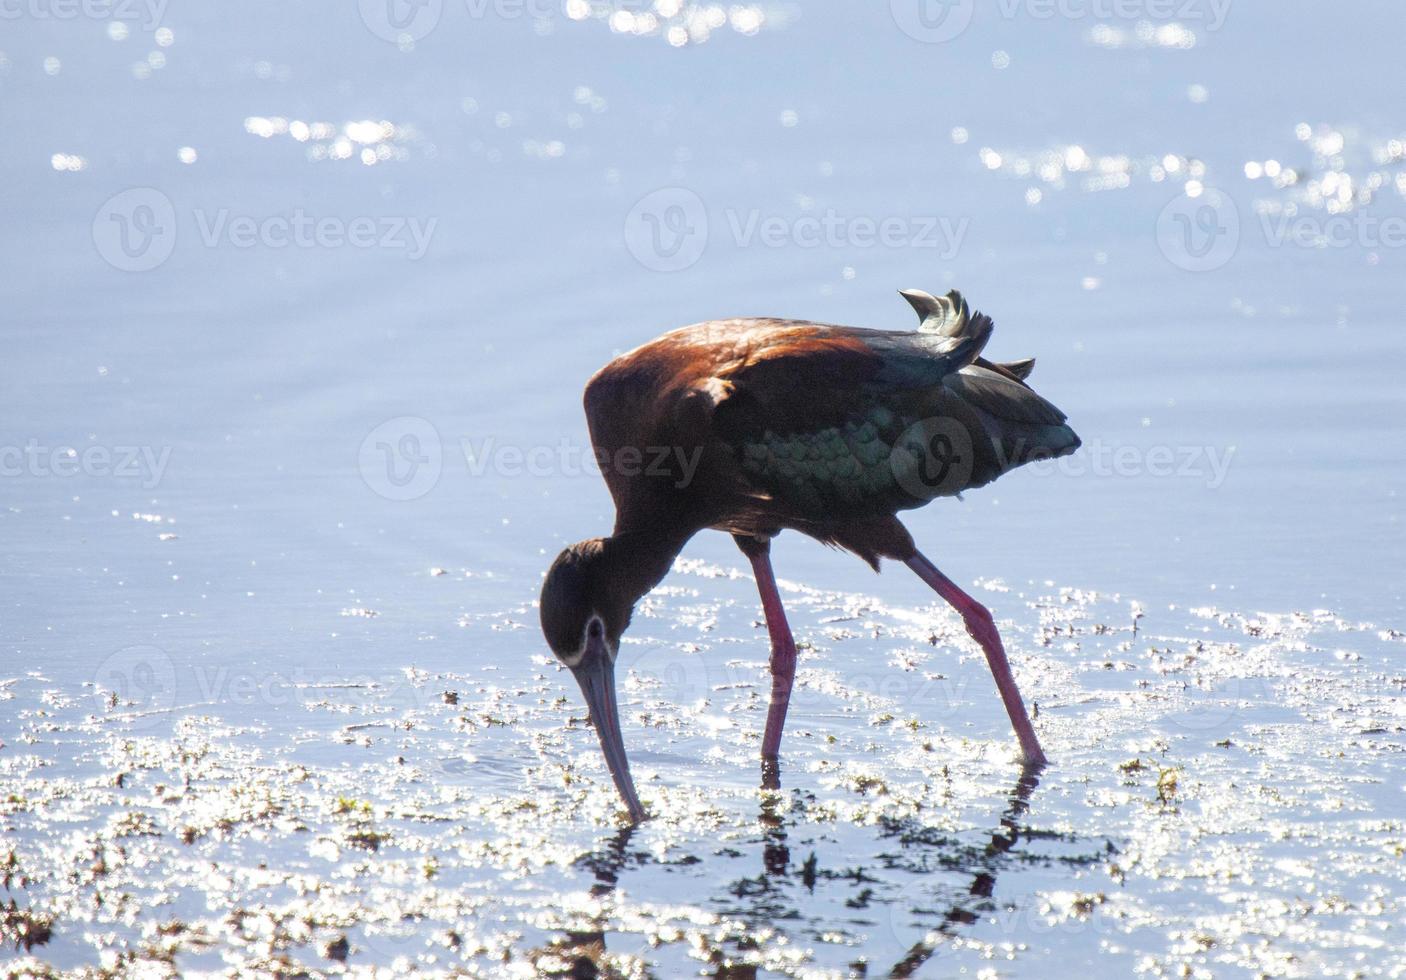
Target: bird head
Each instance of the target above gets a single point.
(585, 608)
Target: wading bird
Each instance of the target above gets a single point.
(753, 426)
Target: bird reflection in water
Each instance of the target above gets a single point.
(967, 910)
(771, 898)
(581, 953)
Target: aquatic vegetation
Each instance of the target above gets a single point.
(898, 847)
(23, 928)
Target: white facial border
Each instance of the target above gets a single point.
(573, 659)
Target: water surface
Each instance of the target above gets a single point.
(276, 503)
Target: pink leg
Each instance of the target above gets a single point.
(982, 628)
(783, 647)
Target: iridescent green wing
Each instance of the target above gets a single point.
(848, 422)
(846, 467)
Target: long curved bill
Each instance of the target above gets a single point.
(596, 675)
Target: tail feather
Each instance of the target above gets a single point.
(952, 332)
(1003, 399)
(1022, 426)
(994, 398)
(945, 316)
(1021, 369)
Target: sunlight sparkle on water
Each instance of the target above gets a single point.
(367, 140)
(1144, 34)
(678, 22)
(1058, 165)
(1333, 169)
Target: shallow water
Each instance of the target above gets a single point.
(230, 478)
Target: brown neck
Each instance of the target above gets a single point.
(638, 560)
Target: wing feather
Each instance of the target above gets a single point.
(815, 415)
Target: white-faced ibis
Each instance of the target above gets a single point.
(752, 426)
